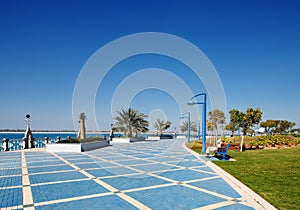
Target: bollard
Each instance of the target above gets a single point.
(6, 144)
(26, 145)
(32, 143)
(47, 140)
(1, 146)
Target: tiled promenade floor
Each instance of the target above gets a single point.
(147, 175)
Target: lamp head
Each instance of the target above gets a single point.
(191, 103)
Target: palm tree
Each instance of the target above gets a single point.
(141, 125)
(184, 127)
(161, 125)
(130, 121)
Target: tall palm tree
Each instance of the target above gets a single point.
(161, 125)
(130, 121)
(141, 125)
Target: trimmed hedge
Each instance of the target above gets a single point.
(75, 140)
(68, 141)
(273, 141)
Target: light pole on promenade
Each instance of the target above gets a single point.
(191, 103)
(198, 129)
(189, 124)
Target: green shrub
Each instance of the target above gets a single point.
(276, 140)
(92, 138)
(68, 141)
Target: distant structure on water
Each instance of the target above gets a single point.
(28, 134)
(82, 129)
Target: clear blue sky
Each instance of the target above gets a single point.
(254, 46)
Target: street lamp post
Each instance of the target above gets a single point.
(189, 124)
(198, 131)
(191, 102)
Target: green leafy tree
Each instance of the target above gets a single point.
(231, 127)
(184, 127)
(209, 126)
(283, 126)
(295, 130)
(129, 121)
(216, 118)
(161, 125)
(269, 125)
(236, 118)
(249, 119)
(245, 121)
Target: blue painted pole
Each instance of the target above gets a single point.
(189, 127)
(204, 125)
(189, 124)
(191, 102)
(198, 130)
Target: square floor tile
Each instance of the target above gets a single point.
(190, 163)
(10, 171)
(87, 165)
(49, 168)
(52, 177)
(66, 190)
(45, 163)
(132, 162)
(10, 197)
(154, 167)
(174, 197)
(164, 159)
(217, 185)
(103, 202)
(184, 175)
(11, 181)
(120, 170)
(136, 181)
(100, 172)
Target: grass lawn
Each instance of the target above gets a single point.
(272, 173)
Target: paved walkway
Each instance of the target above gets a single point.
(148, 175)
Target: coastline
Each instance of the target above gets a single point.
(37, 132)
(53, 132)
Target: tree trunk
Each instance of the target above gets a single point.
(242, 142)
(129, 130)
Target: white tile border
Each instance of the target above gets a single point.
(27, 194)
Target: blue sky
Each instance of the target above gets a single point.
(254, 46)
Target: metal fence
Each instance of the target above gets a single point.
(19, 144)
